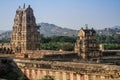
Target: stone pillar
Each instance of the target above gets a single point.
(56, 75)
(74, 76)
(67, 75)
(71, 76)
(78, 77)
(50, 73)
(44, 73)
(60, 75)
(102, 77)
(64, 75)
(93, 77)
(33, 74)
(38, 75)
(85, 77)
(41, 74)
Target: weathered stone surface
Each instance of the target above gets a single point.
(9, 70)
(79, 68)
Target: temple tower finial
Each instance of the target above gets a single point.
(19, 7)
(28, 6)
(86, 26)
(24, 5)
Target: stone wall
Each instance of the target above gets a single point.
(38, 74)
(68, 70)
(5, 49)
(41, 53)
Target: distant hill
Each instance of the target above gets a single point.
(53, 30)
(47, 30)
(109, 31)
(5, 35)
(116, 27)
(1, 31)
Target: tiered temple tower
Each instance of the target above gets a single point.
(25, 34)
(86, 45)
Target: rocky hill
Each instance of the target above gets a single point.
(53, 30)
(1, 31)
(5, 35)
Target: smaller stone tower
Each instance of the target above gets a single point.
(25, 34)
(86, 45)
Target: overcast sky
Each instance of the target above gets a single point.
(65, 13)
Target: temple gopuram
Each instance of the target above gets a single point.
(25, 35)
(86, 45)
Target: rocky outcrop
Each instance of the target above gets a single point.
(9, 70)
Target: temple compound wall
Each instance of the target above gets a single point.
(38, 74)
(36, 70)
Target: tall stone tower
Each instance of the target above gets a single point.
(25, 34)
(86, 45)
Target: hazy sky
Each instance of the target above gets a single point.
(65, 13)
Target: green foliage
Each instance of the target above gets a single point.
(57, 42)
(111, 46)
(67, 47)
(66, 43)
(51, 45)
(115, 38)
(2, 42)
(57, 39)
(110, 42)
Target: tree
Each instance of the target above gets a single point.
(67, 47)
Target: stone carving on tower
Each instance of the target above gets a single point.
(25, 34)
(86, 45)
